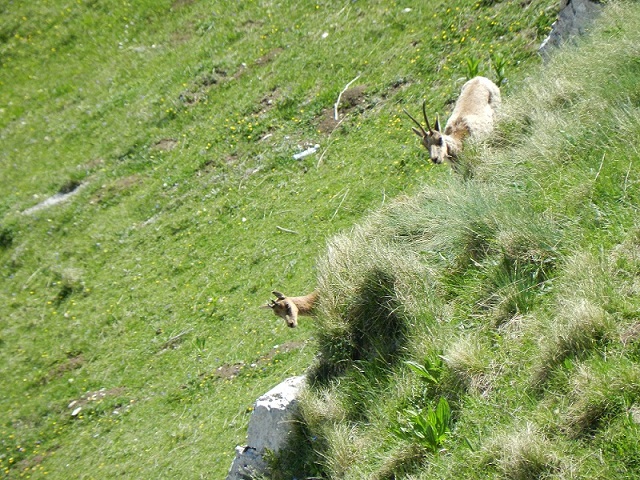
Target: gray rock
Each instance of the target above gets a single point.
(269, 428)
(247, 464)
(574, 19)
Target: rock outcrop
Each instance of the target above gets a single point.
(574, 19)
(269, 429)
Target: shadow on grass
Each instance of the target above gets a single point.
(373, 330)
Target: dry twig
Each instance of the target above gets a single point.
(335, 107)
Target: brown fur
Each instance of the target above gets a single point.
(289, 308)
(473, 116)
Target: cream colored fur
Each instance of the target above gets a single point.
(473, 116)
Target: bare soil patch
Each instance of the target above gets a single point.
(229, 371)
(73, 362)
(95, 396)
(118, 187)
(269, 57)
(166, 144)
(351, 100)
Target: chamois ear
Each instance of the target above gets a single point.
(268, 305)
(417, 132)
(437, 126)
(278, 295)
(420, 131)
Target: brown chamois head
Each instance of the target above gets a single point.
(284, 308)
(432, 138)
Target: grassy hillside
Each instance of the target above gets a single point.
(131, 343)
(487, 325)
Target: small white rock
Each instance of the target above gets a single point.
(307, 152)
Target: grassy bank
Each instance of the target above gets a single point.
(486, 326)
(131, 343)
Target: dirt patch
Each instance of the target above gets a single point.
(216, 76)
(91, 397)
(73, 362)
(352, 99)
(399, 83)
(191, 98)
(166, 144)
(271, 98)
(259, 62)
(117, 188)
(180, 37)
(269, 57)
(126, 183)
(30, 463)
(286, 347)
(327, 122)
(251, 25)
(229, 371)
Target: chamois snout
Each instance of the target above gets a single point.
(437, 147)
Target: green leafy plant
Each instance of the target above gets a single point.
(430, 372)
(473, 66)
(498, 63)
(201, 342)
(428, 428)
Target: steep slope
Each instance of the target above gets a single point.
(488, 326)
(131, 340)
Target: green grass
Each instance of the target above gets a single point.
(520, 277)
(138, 298)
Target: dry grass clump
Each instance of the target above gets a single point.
(578, 329)
(467, 359)
(322, 406)
(346, 447)
(393, 269)
(600, 390)
(369, 301)
(523, 454)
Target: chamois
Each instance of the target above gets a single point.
(290, 307)
(472, 116)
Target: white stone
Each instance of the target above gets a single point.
(269, 428)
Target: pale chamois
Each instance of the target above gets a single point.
(290, 307)
(473, 116)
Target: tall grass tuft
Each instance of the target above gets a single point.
(523, 454)
(467, 358)
(601, 389)
(581, 327)
(365, 308)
